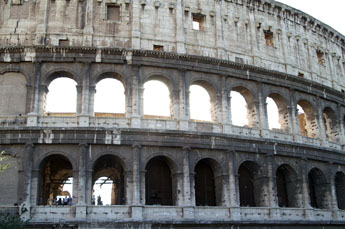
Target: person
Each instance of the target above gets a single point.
(70, 200)
(65, 200)
(59, 201)
(99, 200)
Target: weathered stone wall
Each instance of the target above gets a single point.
(266, 34)
(258, 49)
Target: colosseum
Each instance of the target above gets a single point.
(175, 170)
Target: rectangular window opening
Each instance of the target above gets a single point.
(158, 47)
(198, 21)
(320, 57)
(113, 12)
(64, 42)
(269, 38)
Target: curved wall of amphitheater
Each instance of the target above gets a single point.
(173, 171)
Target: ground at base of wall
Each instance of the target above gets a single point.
(189, 226)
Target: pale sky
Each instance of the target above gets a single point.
(330, 12)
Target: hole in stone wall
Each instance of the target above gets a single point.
(300, 74)
(108, 182)
(287, 189)
(198, 21)
(158, 47)
(331, 126)
(55, 174)
(109, 97)
(248, 105)
(307, 119)
(272, 114)
(113, 12)
(239, 111)
(62, 96)
(251, 185)
(340, 189)
(318, 189)
(269, 38)
(200, 103)
(204, 184)
(158, 182)
(63, 42)
(320, 57)
(302, 121)
(157, 99)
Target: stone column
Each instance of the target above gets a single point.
(25, 206)
(175, 104)
(183, 102)
(305, 190)
(234, 192)
(81, 204)
(136, 102)
(333, 193)
(177, 186)
(42, 23)
(88, 29)
(180, 33)
(82, 174)
(294, 117)
(322, 130)
(136, 31)
(142, 187)
(219, 29)
(263, 113)
(186, 178)
(79, 99)
(188, 211)
(226, 190)
(42, 93)
(136, 174)
(274, 211)
(341, 125)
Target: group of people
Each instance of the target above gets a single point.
(67, 200)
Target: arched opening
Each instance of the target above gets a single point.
(61, 97)
(208, 186)
(203, 102)
(277, 112)
(307, 119)
(243, 110)
(109, 98)
(158, 182)
(272, 114)
(54, 180)
(108, 181)
(250, 186)
(287, 186)
(331, 125)
(239, 113)
(318, 189)
(340, 189)
(157, 99)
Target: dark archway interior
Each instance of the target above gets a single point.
(108, 166)
(340, 189)
(246, 187)
(282, 195)
(204, 184)
(54, 171)
(158, 182)
(287, 186)
(317, 189)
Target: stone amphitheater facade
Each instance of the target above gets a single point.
(254, 177)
